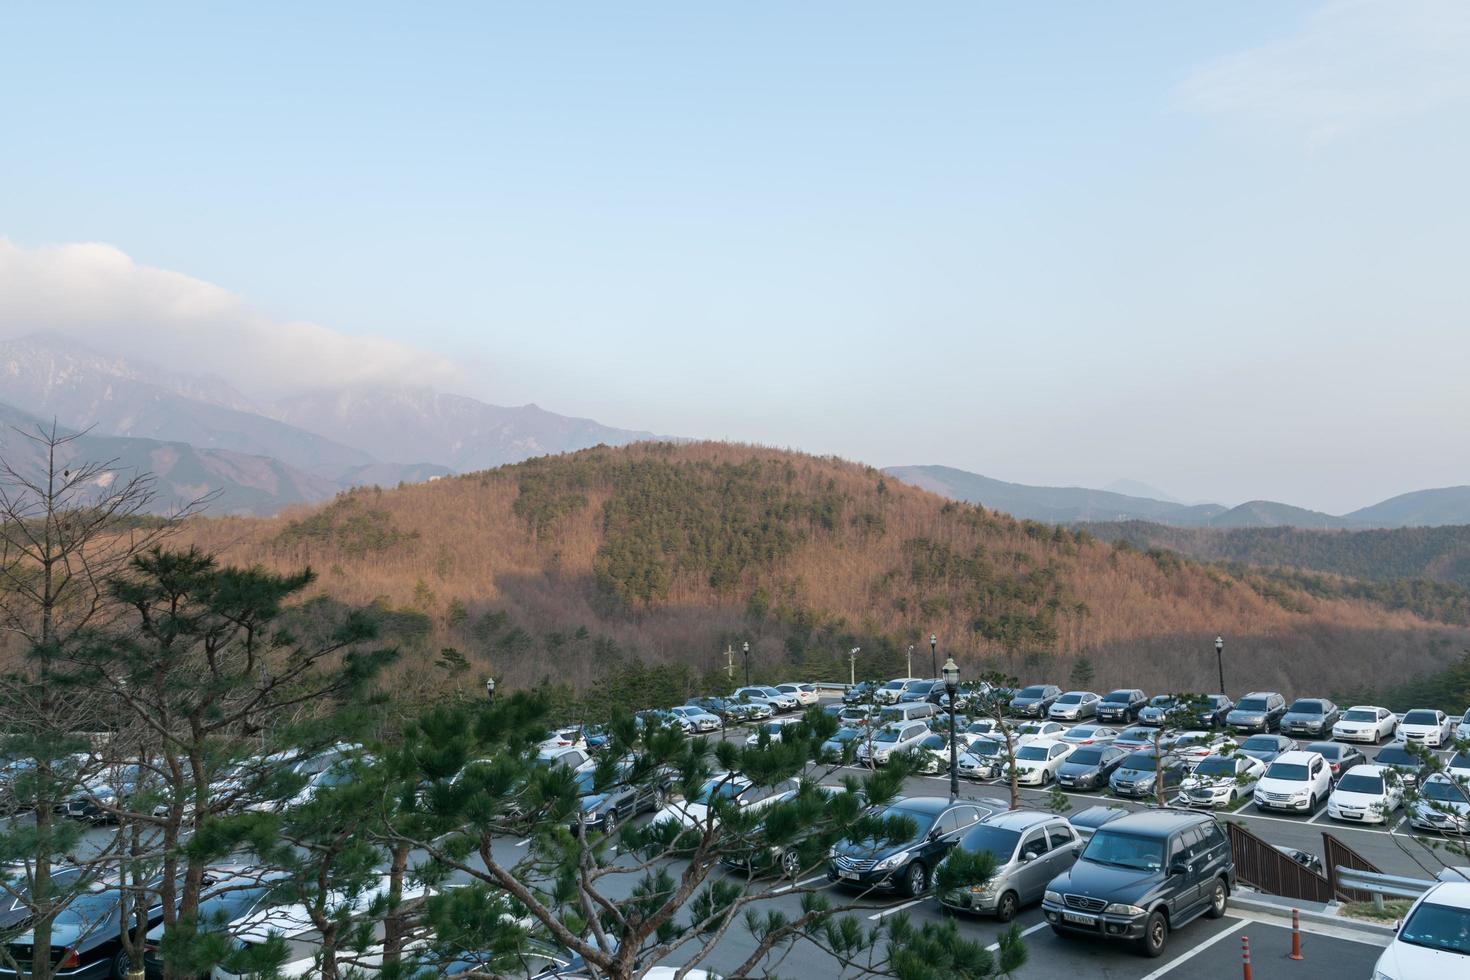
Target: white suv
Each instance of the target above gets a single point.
(768, 695)
(892, 739)
(1294, 781)
(806, 694)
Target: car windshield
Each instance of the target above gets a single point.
(845, 735)
(723, 788)
(1460, 761)
(1086, 757)
(1125, 851)
(1119, 697)
(770, 692)
(1260, 743)
(934, 742)
(1444, 791)
(893, 686)
(1290, 771)
(1083, 731)
(1143, 734)
(985, 747)
(1141, 760)
(1034, 691)
(1192, 738)
(1160, 701)
(1032, 753)
(1354, 782)
(996, 840)
(1215, 766)
(1070, 699)
(1421, 717)
(980, 727)
(1435, 926)
(887, 735)
(1252, 704)
(1392, 756)
(922, 821)
(1358, 715)
(1307, 708)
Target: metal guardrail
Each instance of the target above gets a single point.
(837, 686)
(1379, 885)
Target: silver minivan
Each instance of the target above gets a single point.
(1030, 848)
(908, 711)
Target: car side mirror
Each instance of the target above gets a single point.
(1026, 858)
(1178, 868)
(1077, 850)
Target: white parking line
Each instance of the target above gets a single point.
(1225, 933)
(1024, 932)
(523, 843)
(799, 884)
(897, 908)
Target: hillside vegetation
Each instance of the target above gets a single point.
(576, 566)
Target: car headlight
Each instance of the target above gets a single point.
(831, 852)
(892, 861)
(1051, 896)
(1118, 908)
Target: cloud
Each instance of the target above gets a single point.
(96, 295)
(1351, 64)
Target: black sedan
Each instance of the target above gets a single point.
(1090, 767)
(605, 809)
(86, 941)
(1409, 766)
(1340, 757)
(905, 865)
(225, 900)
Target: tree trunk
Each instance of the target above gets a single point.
(395, 925)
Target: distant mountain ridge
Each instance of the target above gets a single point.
(1072, 505)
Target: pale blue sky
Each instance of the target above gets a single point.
(1219, 248)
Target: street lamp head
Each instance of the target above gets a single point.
(490, 687)
(1219, 643)
(951, 672)
(745, 647)
(933, 640)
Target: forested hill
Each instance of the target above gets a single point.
(567, 565)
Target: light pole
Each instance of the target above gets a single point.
(489, 689)
(745, 648)
(910, 671)
(1220, 660)
(951, 685)
(934, 655)
(852, 666)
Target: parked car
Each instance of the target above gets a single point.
(226, 898)
(983, 759)
(1140, 773)
(1143, 876)
(695, 719)
(1035, 701)
(890, 693)
(1141, 737)
(1434, 938)
(1220, 780)
(907, 711)
(892, 739)
(733, 710)
(86, 941)
(1409, 766)
(1090, 766)
(1442, 806)
(983, 727)
(1294, 781)
(728, 789)
(1073, 706)
(1216, 709)
(1029, 850)
(925, 690)
(771, 730)
(859, 693)
(905, 866)
(1037, 762)
(1195, 746)
(1121, 706)
(1310, 716)
(836, 746)
(1459, 766)
(1161, 710)
(98, 800)
(1088, 735)
(1365, 723)
(606, 808)
(1340, 758)
(1032, 731)
(1462, 730)
(1425, 726)
(759, 857)
(855, 716)
(1267, 747)
(1259, 711)
(779, 702)
(806, 694)
(1367, 794)
(1088, 819)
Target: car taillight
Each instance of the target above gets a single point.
(69, 960)
(150, 947)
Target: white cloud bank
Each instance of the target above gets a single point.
(96, 295)
(1352, 64)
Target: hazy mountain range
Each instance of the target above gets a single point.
(1071, 505)
(262, 456)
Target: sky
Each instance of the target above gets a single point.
(1216, 248)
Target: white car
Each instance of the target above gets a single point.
(892, 739)
(933, 753)
(1365, 723)
(1220, 780)
(565, 738)
(1433, 941)
(890, 693)
(1074, 706)
(1194, 747)
(806, 694)
(1037, 762)
(771, 729)
(734, 787)
(1442, 805)
(1462, 730)
(695, 719)
(1034, 731)
(1295, 781)
(982, 728)
(1365, 794)
(1089, 735)
(1459, 767)
(983, 759)
(1425, 726)
(769, 696)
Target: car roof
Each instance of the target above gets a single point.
(1045, 743)
(1151, 823)
(1018, 819)
(1453, 893)
(1297, 755)
(1368, 770)
(1259, 694)
(924, 804)
(1367, 707)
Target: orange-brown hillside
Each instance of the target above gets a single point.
(674, 552)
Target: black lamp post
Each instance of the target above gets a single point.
(1220, 660)
(490, 689)
(934, 655)
(951, 684)
(745, 648)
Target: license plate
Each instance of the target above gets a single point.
(848, 874)
(1079, 919)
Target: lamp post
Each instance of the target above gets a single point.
(910, 671)
(951, 685)
(934, 655)
(489, 689)
(1220, 660)
(852, 666)
(745, 648)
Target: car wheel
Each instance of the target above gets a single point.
(660, 798)
(791, 864)
(121, 963)
(915, 879)
(1155, 935)
(1312, 804)
(1005, 909)
(609, 822)
(1217, 900)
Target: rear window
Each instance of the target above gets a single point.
(1421, 717)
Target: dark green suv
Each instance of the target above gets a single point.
(1143, 876)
